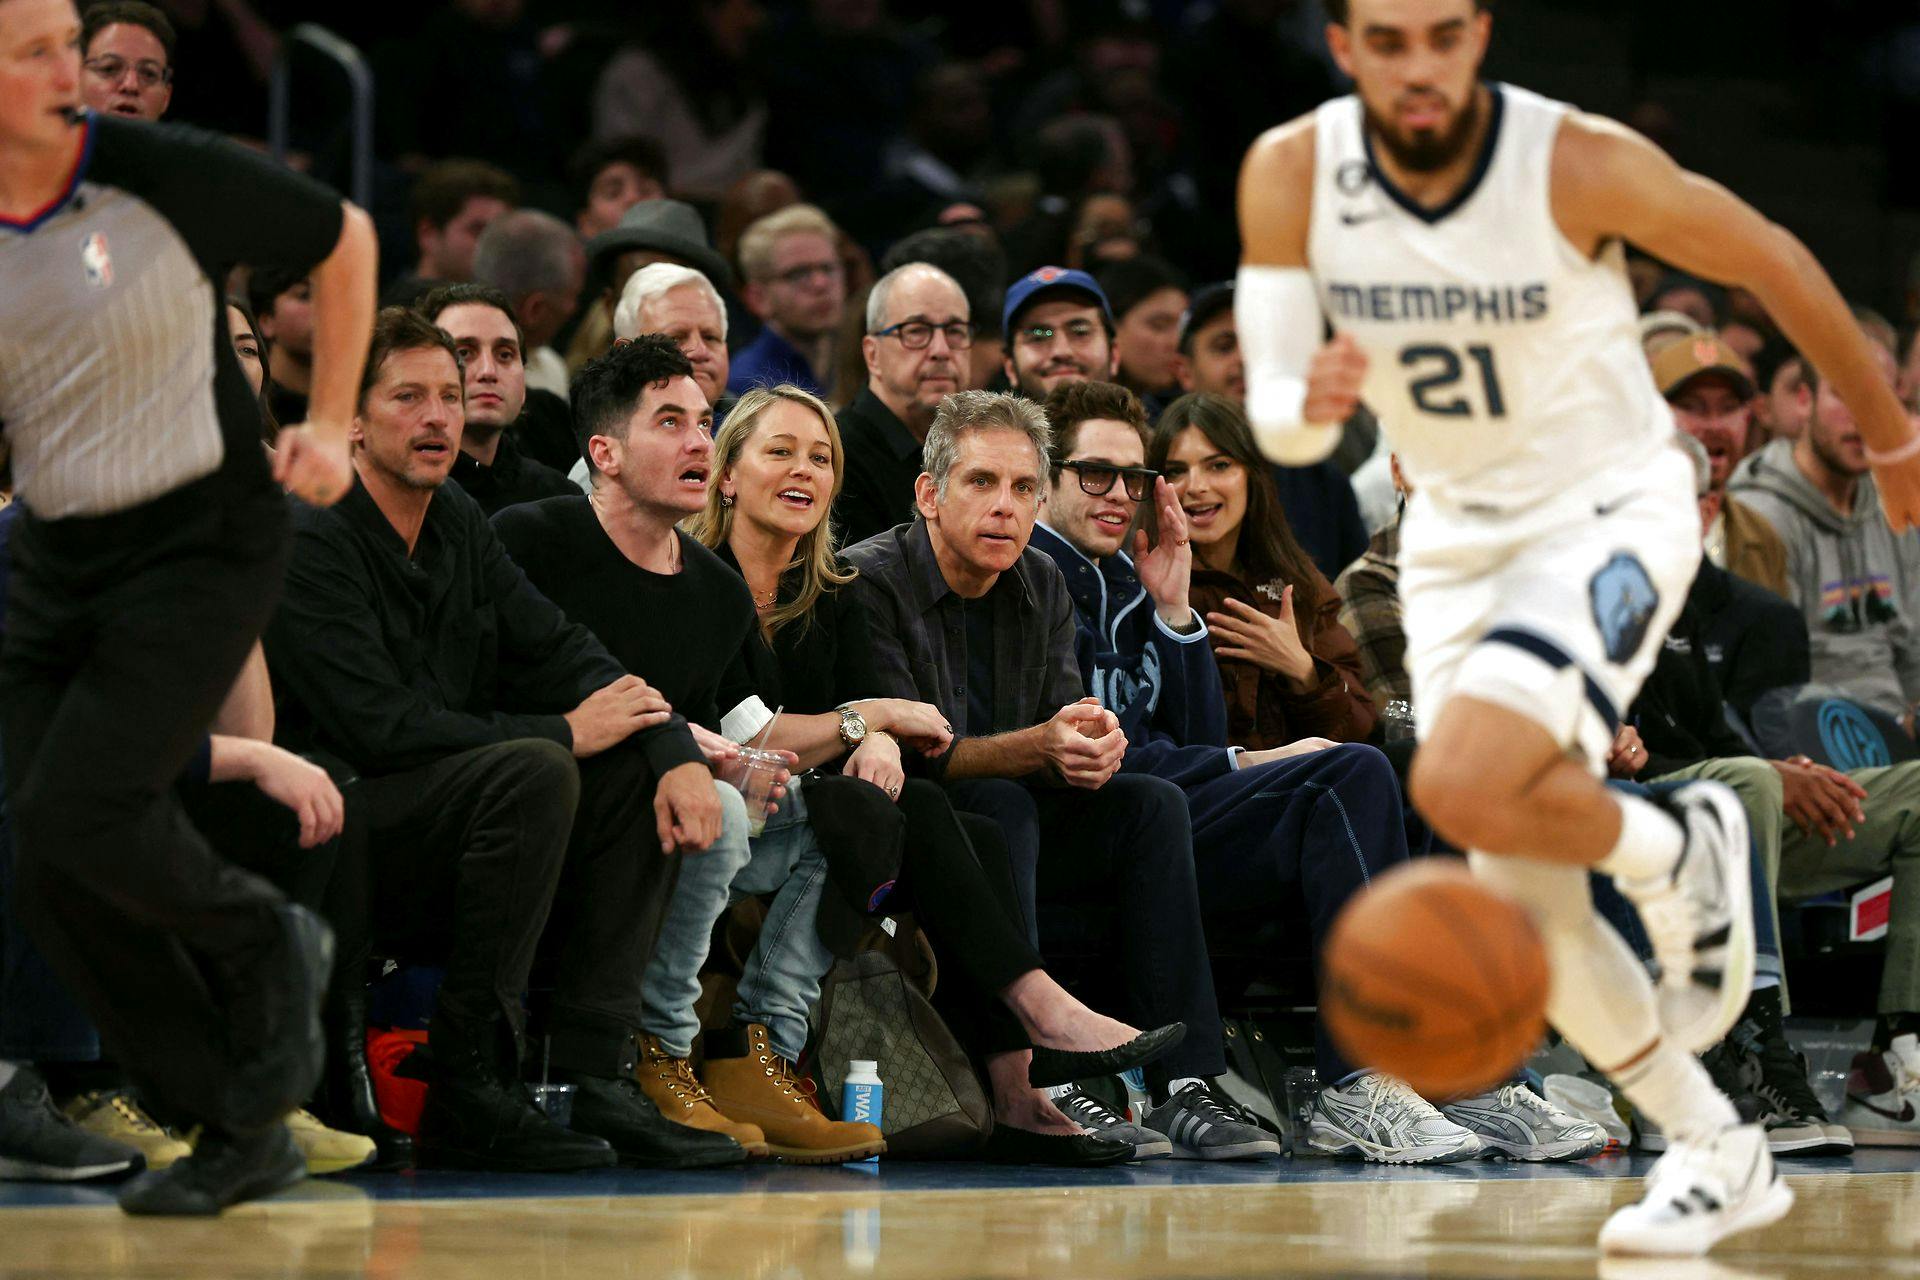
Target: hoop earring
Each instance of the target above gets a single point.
(726, 499)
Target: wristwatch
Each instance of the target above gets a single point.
(853, 727)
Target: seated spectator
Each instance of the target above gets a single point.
(649, 232)
(687, 84)
(1693, 298)
(248, 348)
(508, 770)
(1303, 825)
(797, 287)
(1369, 591)
(488, 338)
(1149, 297)
(126, 59)
(978, 265)
(611, 177)
(1857, 584)
(617, 564)
(282, 303)
(537, 262)
(1712, 401)
(1289, 668)
(1208, 356)
(968, 617)
(453, 203)
(918, 334)
(937, 159)
(1058, 329)
(1780, 411)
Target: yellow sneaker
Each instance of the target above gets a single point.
(113, 1113)
(327, 1150)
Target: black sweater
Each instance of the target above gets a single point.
(814, 665)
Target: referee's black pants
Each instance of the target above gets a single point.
(124, 634)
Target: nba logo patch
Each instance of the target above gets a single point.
(97, 262)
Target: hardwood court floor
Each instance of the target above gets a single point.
(949, 1222)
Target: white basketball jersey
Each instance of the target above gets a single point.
(1502, 361)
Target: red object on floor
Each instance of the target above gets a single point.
(401, 1099)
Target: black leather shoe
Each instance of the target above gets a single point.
(479, 1116)
(620, 1112)
(271, 1002)
(223, 1170)
(1007, 1145)
(1064, 1066)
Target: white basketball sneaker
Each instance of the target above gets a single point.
(1700, 918)
(1515, 1122)
(1377, 1117)
(1699, 1193)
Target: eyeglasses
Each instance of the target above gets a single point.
(793, 277)
(1079, 333)
(1096, 479)
(111, 66)
(917, 335)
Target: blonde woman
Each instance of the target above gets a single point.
(777, 465)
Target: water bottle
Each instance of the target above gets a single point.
(863, 1097)
(1398, 719)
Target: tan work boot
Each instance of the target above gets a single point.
(749, 1081)
(672, 1086)
(113, 1113)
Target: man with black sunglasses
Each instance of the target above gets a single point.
(918, 333)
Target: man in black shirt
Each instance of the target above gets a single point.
(144, 567)
(491, 467)
(918, 336)
(508, 767)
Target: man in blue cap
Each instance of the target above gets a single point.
(1059, 330)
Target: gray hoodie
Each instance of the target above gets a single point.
(1857, 585)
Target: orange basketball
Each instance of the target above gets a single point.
(1433, 977)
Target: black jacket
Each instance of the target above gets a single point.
(513, 478)
(390, 662)
(883, 461)
(1755, 640)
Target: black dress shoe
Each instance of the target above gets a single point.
(223, 1170)
(1007, 1145)
(479, 1116)
(1064, 1066)
(620, 1112)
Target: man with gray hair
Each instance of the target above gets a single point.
(966, 616)
(919, 331)
(536, 260)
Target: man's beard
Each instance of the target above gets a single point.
(1425, 151)
(1832, 456)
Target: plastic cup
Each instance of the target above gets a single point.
(754, 774)
(556, 1100)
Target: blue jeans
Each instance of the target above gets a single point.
(782, 976)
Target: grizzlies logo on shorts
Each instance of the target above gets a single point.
(1624, 600)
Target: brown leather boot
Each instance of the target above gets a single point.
(671, 1084)
(750, 1082)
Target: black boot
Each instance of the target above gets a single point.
(223, 1170)
(347, 1099)
(479, 1116)
(608, 1101)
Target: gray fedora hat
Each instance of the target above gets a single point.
(662, 226)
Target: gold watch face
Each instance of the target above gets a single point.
(853, 726)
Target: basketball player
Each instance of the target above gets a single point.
(143, 570)
(1466, 242)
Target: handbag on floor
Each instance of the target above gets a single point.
(933, 1107)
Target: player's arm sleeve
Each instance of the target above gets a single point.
(1277, 313)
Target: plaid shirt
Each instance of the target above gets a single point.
(1370, 592)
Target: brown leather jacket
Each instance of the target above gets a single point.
(1264, 709)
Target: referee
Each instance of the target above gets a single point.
(145, 567)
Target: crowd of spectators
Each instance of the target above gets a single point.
(881, 406)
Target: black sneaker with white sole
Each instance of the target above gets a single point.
(1097, 1118)
(38, 1143)
(1206, 1125)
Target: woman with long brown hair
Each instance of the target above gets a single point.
(1290, 670)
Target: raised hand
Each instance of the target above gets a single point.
(1272, 644)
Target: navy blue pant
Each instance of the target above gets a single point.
(1310, 831)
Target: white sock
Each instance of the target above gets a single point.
(1649, 845)
(1673, 1090)
(1175, 1086)
(7, 1070)
(1058, 1091)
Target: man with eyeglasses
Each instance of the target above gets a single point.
(797, 287)
(1297, 827)
(1059, 330)
(918, 335)
(127, 60)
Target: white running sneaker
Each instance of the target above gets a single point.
(1883, 1096)
(1700, 918)
(1699, 1193)
(1379, 1118)
(1516, 1123)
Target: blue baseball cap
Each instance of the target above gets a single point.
(1028, 289)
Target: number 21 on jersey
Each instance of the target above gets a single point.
(1438, 374)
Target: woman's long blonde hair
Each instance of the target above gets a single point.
(813, 556)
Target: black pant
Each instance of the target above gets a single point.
(957, 878)
(124, 635)
(1129, 846)
(471, 858)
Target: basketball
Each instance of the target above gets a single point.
(1430, 976)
